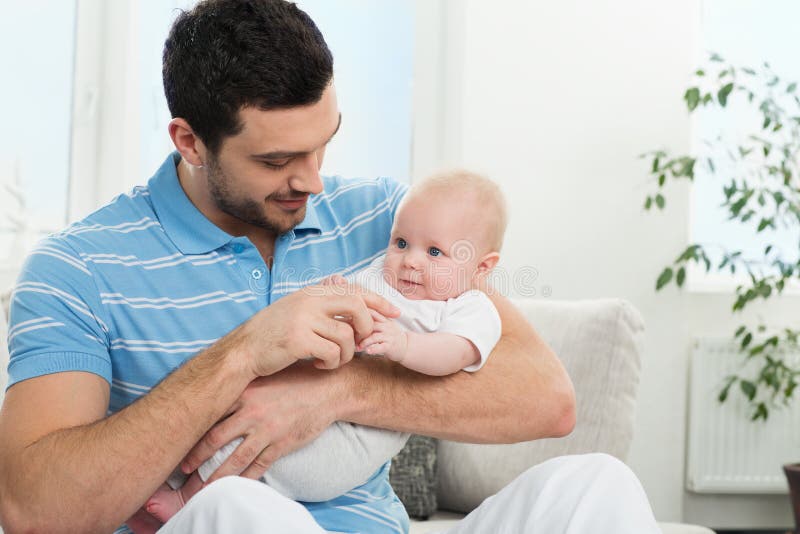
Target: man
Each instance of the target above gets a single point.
(168, 323)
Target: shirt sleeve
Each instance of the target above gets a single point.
(473, 316)
(55, 322)
(395, 191)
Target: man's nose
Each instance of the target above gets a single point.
(307, 178)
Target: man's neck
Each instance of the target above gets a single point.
(193, 180)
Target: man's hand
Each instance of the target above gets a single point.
(387, 338)
(323, 322)
(274, 417)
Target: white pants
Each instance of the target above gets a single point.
(591, 493)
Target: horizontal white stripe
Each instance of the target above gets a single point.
(126, 390)
(363, 495)
(79, 228)
(34, 327)
(286, 287)
(125, 230)
(130, 385)
(379, 208)
(166, 305)
(175, 301)
(69, 300)
(164, 343)
(95, 338)
(29, 321)
(343, 189)
(394, 525)
(339, 231)
(63, 257)
(122, 346)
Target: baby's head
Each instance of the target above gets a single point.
(446, 236)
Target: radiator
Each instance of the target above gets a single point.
(727, 452)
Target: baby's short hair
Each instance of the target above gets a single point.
(489, 199)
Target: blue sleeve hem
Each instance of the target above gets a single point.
(32, 366)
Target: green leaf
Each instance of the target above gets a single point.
(748, 388)
(749, 71)
(723, 93)
(655, 165)
(746, 340)
(680, 277)
(767, 249)
(648, 203)
(761, 412)
(716, 57)
(661, 180)
(660, 201)
(692, 97)
(791, 87)
(700, 72)
(763, 224)
(740, 331)
(663, 278)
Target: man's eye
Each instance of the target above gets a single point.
(433, 251)
(401, 243)
(277, 164)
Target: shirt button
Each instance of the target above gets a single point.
(238, 248)
(256, 274)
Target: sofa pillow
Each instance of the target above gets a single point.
(599, 343)
(413, 476)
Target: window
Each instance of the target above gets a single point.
(37, 121)
(745, 33)
(373, 48)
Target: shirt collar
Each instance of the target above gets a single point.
(183, 223)
(186, 226)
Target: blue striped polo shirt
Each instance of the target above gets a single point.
(144, 283)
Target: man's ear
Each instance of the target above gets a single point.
(488, 263)
(191, 148)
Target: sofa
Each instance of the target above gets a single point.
(600, 344)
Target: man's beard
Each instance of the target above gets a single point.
(243, 208)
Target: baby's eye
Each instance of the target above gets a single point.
(433, 251)
(401, 243)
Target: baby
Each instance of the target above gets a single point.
(445, 240)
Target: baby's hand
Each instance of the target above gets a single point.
(387, 338)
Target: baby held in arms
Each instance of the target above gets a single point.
(446, 239)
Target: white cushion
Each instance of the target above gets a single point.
(599, 342)
(442, 521)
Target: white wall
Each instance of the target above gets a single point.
(557, 100)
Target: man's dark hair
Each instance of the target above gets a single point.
(225, 55)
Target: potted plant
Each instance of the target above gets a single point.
(759, 176)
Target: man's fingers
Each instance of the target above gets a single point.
(238, 461)
(217, 436)
(263, 462)
(380, 304)
(378, 316)
(327, 352)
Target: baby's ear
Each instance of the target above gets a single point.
(487, 263)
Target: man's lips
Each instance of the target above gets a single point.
(292, 203)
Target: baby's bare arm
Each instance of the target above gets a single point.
(439, 353)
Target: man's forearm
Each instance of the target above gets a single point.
(522, 393)
(92, 477)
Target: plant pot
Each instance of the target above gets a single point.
(792, 472)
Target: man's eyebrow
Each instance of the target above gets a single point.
(283, 154)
